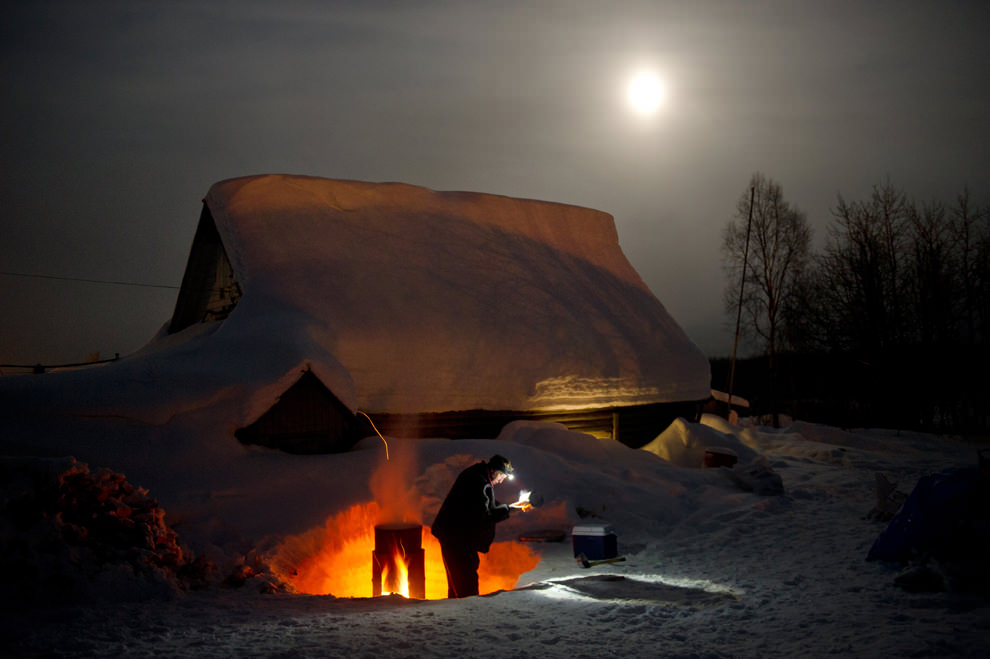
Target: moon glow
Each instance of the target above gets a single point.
(646, 93)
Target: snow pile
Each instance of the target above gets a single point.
(684, 444)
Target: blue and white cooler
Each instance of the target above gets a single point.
(595, 541)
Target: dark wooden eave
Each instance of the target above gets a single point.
(634, 425)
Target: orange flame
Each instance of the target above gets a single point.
(336, 558)
(396, 582)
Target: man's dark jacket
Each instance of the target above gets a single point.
(469, 513)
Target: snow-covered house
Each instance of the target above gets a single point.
(435, 313)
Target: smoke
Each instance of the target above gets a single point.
(393, 486)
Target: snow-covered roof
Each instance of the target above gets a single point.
(448, 301)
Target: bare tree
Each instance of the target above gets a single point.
(862, 264)
(971, 227)
(980, 273)
(771, 238)
(932, 284)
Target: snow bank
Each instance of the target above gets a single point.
(684, 444)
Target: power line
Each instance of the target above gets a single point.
(88, 281)
(41, 368)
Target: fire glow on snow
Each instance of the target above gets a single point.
(336, 558)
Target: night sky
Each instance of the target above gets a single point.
(117, 116)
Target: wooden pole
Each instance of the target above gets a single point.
(742, 285)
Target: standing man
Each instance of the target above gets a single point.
(466, 522)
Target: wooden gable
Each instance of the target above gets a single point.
(209, 290)
(306, 419)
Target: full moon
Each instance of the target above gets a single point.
(646, 93)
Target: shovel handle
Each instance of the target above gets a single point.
(607, 560)
(583, 560)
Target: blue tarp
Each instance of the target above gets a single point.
(931, 517)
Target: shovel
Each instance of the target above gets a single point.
(583, 560)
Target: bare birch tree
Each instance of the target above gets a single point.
(778, 252)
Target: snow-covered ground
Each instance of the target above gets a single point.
(718, 562)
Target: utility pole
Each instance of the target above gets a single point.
(742, 285)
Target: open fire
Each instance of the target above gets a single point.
(398, 564)
(381, 547)
(338, 559)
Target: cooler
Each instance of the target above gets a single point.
(595, 541)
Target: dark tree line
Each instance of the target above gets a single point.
(892, 316)
(898, 273)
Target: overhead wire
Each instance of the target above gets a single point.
(88, 281)
(130, 283)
